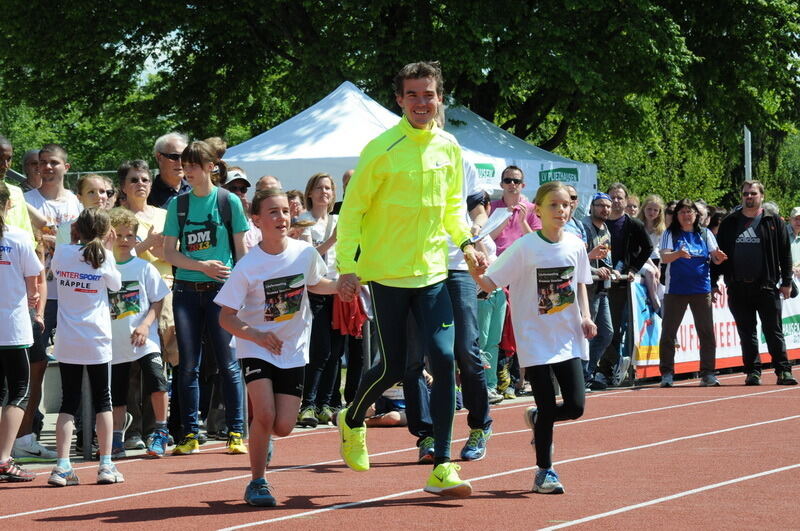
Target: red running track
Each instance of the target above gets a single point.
(686, 457)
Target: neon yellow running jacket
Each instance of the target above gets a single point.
(405, 193)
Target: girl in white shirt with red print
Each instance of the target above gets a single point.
(547, 272)
(19, 270)
(84, 273)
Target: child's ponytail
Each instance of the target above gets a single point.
(92, 227)
(5, 197)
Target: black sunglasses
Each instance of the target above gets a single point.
(110, 193)
(171, 156)
(510, 180)
(137, 180)
(574, 197)
(238, 188)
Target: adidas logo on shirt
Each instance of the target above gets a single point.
(748, 236)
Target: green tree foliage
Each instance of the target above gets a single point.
(542, 69)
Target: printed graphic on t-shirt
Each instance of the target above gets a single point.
(80, 282)
(4, 250)
(282, 297)
(203, 238)
(125, 302)
(748, 236)
(554, 285)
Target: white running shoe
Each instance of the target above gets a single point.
(108, 474)
(28, 450)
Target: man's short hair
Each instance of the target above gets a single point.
(618, 186)
(31, 153)
(166, 139)
(56, 150)
(512, 167)
(750, 183)
(261, 182)
(420, 70)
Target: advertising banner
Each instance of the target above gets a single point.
(646, 331)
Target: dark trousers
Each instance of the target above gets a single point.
(619, 308)
(745, 300)
(433, 313)
(324, 353)
(674, 308)
(569, 375)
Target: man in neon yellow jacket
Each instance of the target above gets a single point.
(402, 201)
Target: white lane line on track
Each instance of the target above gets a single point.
(671, 497)
(389, 452)
(515, 471)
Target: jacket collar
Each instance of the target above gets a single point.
(417, 135)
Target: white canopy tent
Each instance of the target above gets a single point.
(328, 136)
(492, 149)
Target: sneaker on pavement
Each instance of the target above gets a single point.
(753, 378)
(235, 445)
(28, 450)
(325, 415)
(475, 447)
(530, 417)
(308, 417)
(598, 383)
(158, 441)
(188, 445)
(61, 477)
(786, 378)
(108, 474)
(118, 452)
(709, 380)
(135, 442)
(10, 471)
(494, 396)
(509, 393)
(353, 446)
(621, 370)
(426, 452)
(444, 481)
(547, 482)
(258, 494)
(666, 380)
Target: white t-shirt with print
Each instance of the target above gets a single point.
(318, 233)
(17, 261)
(543, 282)
(56, 213)
(84, 319)
(270, 293)
(142, 285)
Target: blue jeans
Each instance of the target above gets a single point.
(491, 314)
(195, 314)
(601, 315)
(463, 296)
(433, 314)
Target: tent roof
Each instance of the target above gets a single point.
(339, 125)
(482, 136)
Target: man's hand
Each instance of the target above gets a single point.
(718, 256)
(348, 286)
(216, 269)
(786, 291)
(269, 341)
(599, 252)
(476, 260)
(714, 293)
(603, 273)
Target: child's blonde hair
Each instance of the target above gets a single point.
(123, 217)
(548, 188)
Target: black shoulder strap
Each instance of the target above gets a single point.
(224, 207)
(183, 211)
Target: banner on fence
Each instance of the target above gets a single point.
(646, 330)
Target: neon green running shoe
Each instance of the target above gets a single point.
(188, 445)
(353, 447)
(444, 481)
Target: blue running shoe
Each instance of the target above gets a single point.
(426, 452)
(258, 494)
(475, 447)
(547, 482)
(158, 441)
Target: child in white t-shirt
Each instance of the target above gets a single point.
(265, 305)
(135, 309)
(19, 271)
(547, 272)
(83, 274)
